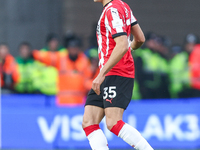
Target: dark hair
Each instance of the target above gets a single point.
(24, 44)
(72, 40)
(150, 36)
(51, 37)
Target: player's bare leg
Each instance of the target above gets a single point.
(91, 119)
(92, 115)
(129, 134)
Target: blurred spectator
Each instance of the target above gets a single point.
(190, 41)
(53, 44)
(179, 73)
(70, 35)
(74, 75)
(194, 63)
(152, 68)
(161, 46)
(50, 54)
(8, 68)
(26, 70)
(35, 77)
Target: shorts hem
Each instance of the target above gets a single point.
(115, 106)
(94, 105)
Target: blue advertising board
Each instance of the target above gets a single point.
(34, 121)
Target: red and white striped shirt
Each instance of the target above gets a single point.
(116, 20)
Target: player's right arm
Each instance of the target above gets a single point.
(138, 35)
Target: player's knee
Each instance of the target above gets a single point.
(110, 124)
(87, 122)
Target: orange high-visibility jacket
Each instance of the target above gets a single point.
(74, 77)
(194, 63)
(48, 57)
(9, 67)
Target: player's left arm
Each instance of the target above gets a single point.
(118, 52)
(138, 35)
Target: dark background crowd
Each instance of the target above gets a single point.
(42, 55)
(63, 68)
(168, 70)
(59, 68)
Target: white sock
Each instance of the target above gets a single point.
(98, 140)
(131, 136)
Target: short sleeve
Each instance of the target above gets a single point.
(133, 20)
(115, 22)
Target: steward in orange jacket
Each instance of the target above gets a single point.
(74, 73)
(8, 68)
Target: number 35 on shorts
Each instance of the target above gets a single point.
(109, 92)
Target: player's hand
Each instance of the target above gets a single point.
(97, 83)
